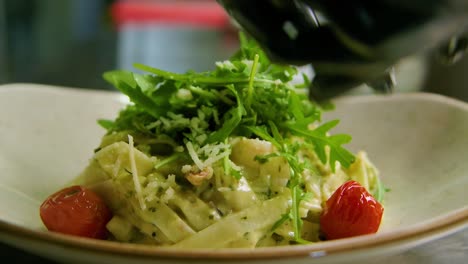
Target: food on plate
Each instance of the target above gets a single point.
(75, 210)
(234, 157)
(350, 211)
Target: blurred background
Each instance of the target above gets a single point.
(72, 42)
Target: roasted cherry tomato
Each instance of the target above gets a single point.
(350, 211)
(76, 211)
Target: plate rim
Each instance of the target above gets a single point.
(441, 226)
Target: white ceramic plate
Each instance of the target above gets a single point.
(418, 141)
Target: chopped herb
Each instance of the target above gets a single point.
(281, 221)
(168, 160)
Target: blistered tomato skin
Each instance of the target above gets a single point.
(350, 211)
(76, 211)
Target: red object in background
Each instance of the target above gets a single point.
(193, 13)
(350, 211)
(76, 211)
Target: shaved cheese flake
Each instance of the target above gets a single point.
(211, 160)
(194, 156)
(116, 169)
(136, 180)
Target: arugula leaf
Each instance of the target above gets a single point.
(234, 117)
(320, 140)
(126, 83)
(288, 150)
(106, 124)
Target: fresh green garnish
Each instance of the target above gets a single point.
(246, 95)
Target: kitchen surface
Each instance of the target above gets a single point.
(70, 43)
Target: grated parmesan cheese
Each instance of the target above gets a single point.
(194, 155)
(136, 180)
(212, 152)
(116, 169)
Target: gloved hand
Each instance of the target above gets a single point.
(355, 41)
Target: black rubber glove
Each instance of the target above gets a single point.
(354, 41)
